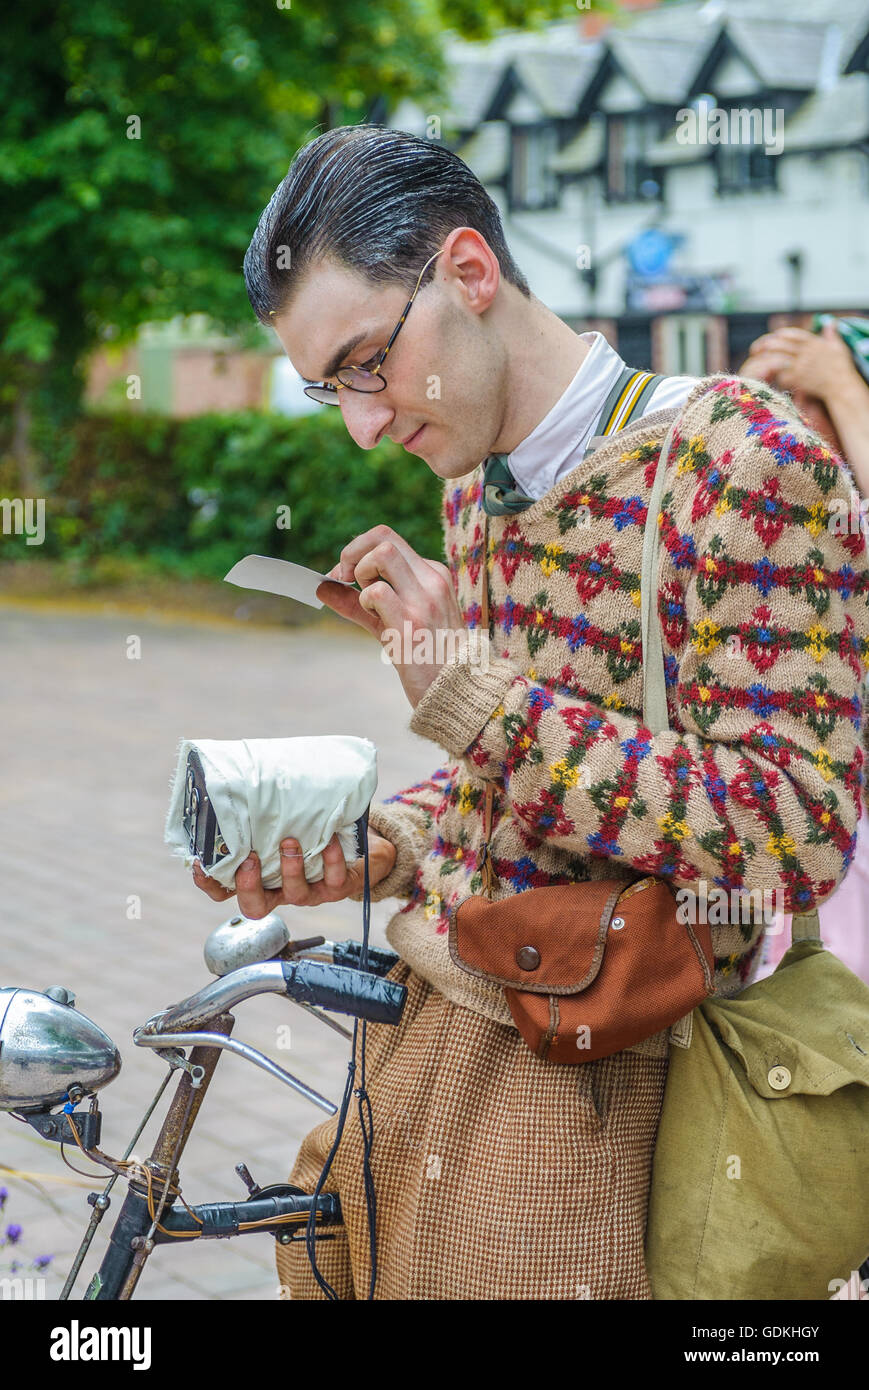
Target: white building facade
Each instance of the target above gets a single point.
(683, 180)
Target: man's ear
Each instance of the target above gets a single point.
(471, 265)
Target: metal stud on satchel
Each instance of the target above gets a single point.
(589, 969)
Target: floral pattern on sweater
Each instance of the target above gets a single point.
(764, 610)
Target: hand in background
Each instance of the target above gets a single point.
(828, 390)
(816, 363)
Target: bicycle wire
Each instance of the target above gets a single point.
(367, 1126)
(131, 1170)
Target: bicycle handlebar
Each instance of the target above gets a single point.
(344, 990)
(336, 987)
(214, 1220)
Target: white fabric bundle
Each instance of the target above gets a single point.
(264, 789)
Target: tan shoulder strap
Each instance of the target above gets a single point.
(655, 715)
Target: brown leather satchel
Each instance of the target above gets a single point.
(590, 968)
(587, 968)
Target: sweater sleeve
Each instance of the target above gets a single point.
(757, 784)
(407, 820)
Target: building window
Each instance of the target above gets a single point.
(628, 176)
(532, 183)
(742, 161)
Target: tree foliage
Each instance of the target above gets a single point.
(194, 495)
(141, 140)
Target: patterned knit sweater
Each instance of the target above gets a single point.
(765, 625)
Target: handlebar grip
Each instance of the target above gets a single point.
(380, 961)
(343, 990)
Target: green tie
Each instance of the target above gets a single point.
(501, 496)
(626, 401)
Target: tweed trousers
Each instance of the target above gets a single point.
(498, 1175)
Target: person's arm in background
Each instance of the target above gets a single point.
(819, 366)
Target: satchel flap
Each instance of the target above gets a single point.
(804, 1030)
(547, 940)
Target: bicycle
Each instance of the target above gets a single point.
(50, 1055)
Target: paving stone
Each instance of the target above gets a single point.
(89, 748)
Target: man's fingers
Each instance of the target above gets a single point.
(253, 901)
(209, 885)
(345, 602)
(360, 546)
(383, 604)
(768, 364)
(423, 588)
(334, 865)
(387, 562)
(758, 368)
(296, 888)
(788, 340)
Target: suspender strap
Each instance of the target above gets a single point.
(487, 869)
(627, 400)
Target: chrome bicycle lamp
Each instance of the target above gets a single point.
(47, 1046)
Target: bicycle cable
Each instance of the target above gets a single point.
(367, 1126)
(133, 1170)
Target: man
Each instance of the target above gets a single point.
(500, 1175)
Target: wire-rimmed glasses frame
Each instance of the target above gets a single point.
(325, 394)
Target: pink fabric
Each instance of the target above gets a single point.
(844, 918)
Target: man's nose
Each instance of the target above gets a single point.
(366, 414)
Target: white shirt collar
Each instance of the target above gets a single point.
(558, 443)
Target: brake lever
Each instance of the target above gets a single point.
(241, 1049)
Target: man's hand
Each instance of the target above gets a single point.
(399, 587)
(340, 879)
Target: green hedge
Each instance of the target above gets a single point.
(200, 493)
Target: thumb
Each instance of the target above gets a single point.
(345, 602)
(829, 329)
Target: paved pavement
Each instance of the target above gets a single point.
(89, 745)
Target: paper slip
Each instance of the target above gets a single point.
(280, 577)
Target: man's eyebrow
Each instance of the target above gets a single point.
(337, 358)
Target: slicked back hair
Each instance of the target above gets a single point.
(381, 201)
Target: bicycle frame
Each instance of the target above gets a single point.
(131, 1242)
(315, 975)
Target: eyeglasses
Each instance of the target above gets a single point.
(367, 378)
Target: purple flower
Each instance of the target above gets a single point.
(635, 748)
(42, 1261)
(762, 701)
(628, 512)
(13, 1234)
(4, 1193)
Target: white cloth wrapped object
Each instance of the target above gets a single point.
(264, 789)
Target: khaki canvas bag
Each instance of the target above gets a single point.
(760, 1180)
